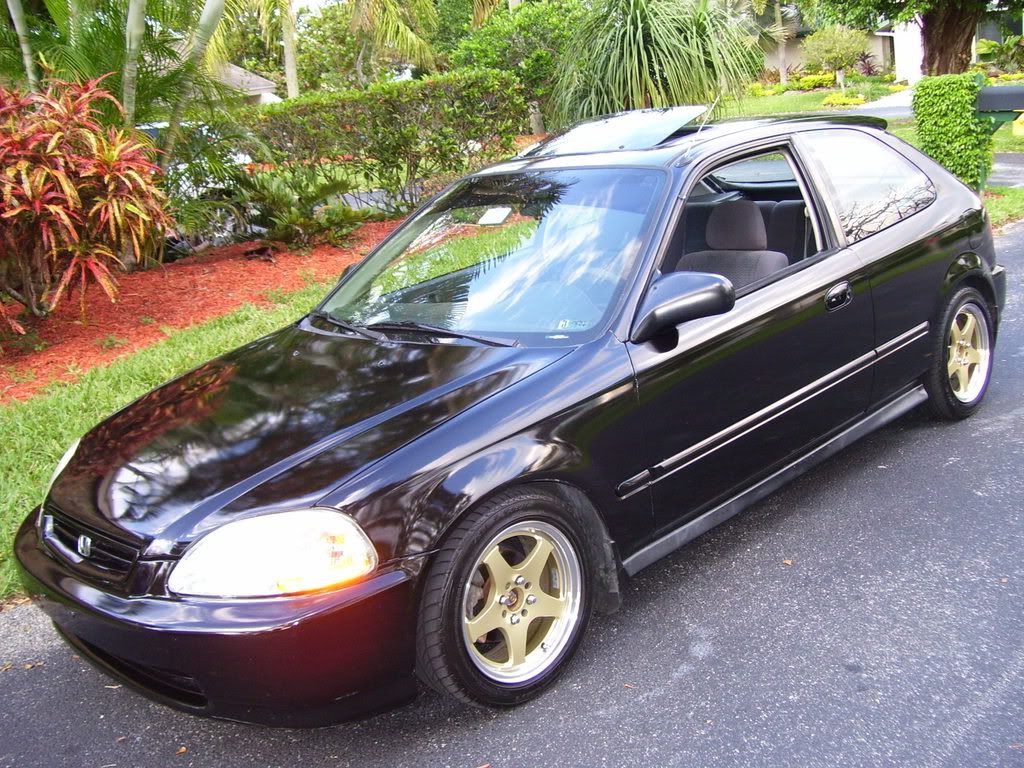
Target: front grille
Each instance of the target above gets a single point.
(100, 552)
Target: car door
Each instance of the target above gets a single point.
(883, 204)
(732, 397)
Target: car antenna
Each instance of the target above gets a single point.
(707, 114)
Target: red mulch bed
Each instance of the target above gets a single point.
(186, 292)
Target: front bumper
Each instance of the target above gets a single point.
(293, 661)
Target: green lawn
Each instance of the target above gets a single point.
(783, 103)
(793, 102)
(1004, 204)
(37, 431)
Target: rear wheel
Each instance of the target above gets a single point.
(962, 359)
(506, 601)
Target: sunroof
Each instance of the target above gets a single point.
(637, 129)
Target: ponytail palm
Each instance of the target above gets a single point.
(632, 54)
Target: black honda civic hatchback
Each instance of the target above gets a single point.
(556, 372)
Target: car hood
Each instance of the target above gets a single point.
(183, 453)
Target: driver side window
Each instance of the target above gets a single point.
(746, 219)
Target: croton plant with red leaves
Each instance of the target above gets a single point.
(75, 197)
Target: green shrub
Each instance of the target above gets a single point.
(813, 82)
(296, 204)
(397, 135)
(527, 41)
(839, 100)
(1007, 55)
(949, 128)
(760, 89)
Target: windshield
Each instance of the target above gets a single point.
(539, 257)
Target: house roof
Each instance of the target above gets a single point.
(243, 80)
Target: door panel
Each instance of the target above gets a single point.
(741, 392)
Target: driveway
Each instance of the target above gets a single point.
(870, 614)
(1007, 170)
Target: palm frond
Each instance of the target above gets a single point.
(657, 53)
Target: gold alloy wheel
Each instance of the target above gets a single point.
(967, 362)
(522, 602)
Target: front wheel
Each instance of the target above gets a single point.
(962, 359)
(506, 600)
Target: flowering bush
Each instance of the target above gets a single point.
(75, 198)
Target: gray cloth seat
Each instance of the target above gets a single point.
(787, 229)
(737, 242)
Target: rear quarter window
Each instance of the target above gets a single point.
(872, 185)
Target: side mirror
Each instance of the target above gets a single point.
(680, 296)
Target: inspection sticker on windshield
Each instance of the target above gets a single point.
(493, 216)
(571, 325)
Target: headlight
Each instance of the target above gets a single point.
(64, 460)
(277, 554)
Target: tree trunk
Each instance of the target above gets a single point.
(360, 75)
(947, 32)
(536, 119)
(135, 31)
(291, 71)
(18, 17)
(781, 51)
(213, 11)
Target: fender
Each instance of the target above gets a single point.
(971, 267)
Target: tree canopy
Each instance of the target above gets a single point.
(947, 28)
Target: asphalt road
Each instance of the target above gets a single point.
(1007, 170)
(894, 637)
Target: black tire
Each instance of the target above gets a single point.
(444, 654)
(944, 399)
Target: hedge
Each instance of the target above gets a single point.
(400, 136)
(948, 126)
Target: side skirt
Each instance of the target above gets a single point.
(691, 530)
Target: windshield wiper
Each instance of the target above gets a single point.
(436, 330)
(345, 325)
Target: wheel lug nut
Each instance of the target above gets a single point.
(503, 600)
(514, 618)
(520, 581)
(531, 599)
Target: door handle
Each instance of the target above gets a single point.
(838, 296)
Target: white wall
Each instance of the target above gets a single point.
(909, 52)
(877, 46)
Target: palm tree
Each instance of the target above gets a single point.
(134, 33)
(394, 25)
(276, 19)
(209, 19)
(291, 67)
(632, 54)
(482, 9)
(21, 29)
(781, 29)
(137, 50)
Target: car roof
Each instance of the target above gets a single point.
(658, 137)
